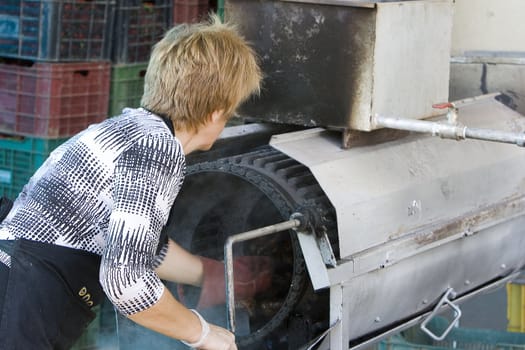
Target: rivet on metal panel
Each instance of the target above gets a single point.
(468, 232)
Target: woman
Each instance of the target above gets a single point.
(89, 220)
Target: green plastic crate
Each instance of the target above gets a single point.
(458, 338)
(127, 86)
(20, 157)
(220, 8)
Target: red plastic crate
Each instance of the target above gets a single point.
(52, 100)
(190, 11)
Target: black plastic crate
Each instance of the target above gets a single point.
(139, 25)
(56, 30)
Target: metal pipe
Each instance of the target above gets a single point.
(294, 222)
(449, 131)
(495, 135)
(435, 128)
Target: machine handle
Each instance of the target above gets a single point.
(297, 221)
(457, 312)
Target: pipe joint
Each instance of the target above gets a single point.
(450, 131)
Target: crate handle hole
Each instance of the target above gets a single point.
(83, 72)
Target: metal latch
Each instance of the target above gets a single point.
(457, 314)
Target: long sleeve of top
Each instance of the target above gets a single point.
(109, 191)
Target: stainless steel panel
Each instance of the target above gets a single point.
(337, 64)
(384, 192)
(411, 286)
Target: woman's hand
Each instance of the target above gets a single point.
(219, 339)
(212, 337)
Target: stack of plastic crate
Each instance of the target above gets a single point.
(54, 79)
(139, 24)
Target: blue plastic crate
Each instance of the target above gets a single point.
(56, 30)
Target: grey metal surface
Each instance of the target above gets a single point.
(239, 139)
(417, 216)
(335, 65)
(385, 191)
(384, 297)
(488, 288)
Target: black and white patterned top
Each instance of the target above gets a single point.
(109, 191)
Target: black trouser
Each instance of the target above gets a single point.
(4, 274)
(48, 295)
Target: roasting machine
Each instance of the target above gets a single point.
(381, 203)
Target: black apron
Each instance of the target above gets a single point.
(49, 293)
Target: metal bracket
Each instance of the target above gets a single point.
(457, 314)
(314, 260)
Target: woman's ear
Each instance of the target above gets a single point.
(217, 115)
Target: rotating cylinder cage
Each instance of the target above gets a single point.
(236, 194)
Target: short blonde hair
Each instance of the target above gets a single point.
(197, 69)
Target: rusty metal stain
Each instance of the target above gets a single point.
(474, 221)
